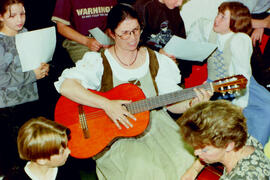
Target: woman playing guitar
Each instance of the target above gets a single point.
(159, 153)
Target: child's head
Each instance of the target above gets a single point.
(171, 4)
(43, 139)
(233, 16)
(12, 14)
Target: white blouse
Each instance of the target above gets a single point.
(89, 71)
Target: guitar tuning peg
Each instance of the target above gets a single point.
(233, 79)
(237, 93)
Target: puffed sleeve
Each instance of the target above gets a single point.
(88, 71)
(241, 48)
(62, 12)
(200, 30)
(168, 76)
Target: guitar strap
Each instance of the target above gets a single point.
(107, 77)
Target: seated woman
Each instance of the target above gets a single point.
(43, 143)
(160, 152)
(230, 32)
(217, 131)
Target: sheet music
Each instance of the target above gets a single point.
(189, 50)
(35, 47)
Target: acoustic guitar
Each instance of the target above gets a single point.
(92, 130)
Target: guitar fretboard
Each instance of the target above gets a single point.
(165, 99)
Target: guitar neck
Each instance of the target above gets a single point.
(165, 99)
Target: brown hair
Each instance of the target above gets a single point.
(4, 4)
(119, 13)
(215, 123)
(240, 20)
(40, 138)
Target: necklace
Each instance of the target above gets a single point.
(134, 60)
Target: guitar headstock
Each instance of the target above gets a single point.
(230, 84)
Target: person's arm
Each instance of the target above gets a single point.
(201, 96)
(162, 51)
(259, 25)
(75, 82)
(167, 80)
(42, 71)
(72, 89)
(74, 35)
(11, 78)
(241, 50)
(192, 172)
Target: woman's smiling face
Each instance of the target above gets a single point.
(127, 34)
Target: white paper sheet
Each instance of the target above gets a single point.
(189, 50)
(100, 36)
(35, 47)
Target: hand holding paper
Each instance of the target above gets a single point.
(42, 71)
(189, 50)
(101, 37)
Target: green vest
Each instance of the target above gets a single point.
(107, 77)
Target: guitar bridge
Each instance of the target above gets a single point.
(83, 122)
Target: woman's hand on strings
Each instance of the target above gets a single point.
(201, 96)
(118, 113)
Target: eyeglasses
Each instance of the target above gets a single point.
(126, 35)
(202, 151)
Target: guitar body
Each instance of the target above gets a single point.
(102, 130)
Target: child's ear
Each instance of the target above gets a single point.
(42, 161)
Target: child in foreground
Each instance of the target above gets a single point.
(43, 143)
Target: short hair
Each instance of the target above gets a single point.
(215, 123)
(240, 20)
(4, 4)
(40, 138)
(119, 13)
